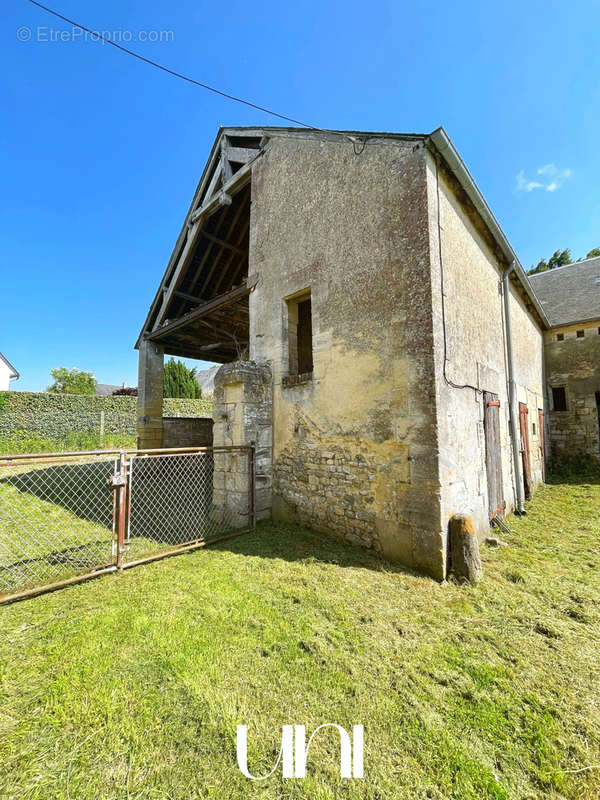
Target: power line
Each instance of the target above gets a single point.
(172, 72)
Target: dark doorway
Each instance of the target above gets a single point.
(493, 454)
(524, 423)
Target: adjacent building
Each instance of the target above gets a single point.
(570, 297)
(382, 348)
(7, 374)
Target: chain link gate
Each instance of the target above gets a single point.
(68, 516)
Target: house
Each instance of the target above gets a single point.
(570, 297)
(108, 389)
(381, 345)
(7, 374)
(206, 380)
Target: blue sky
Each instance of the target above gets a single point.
(101, 153)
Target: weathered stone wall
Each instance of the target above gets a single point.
(474, 352)
(242, 415)
(354, 447)
(574, 363)
(528, 344)
(187, 431)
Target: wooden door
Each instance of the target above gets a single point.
(524, 423)
(542, 441)
(493, 453)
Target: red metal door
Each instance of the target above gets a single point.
(493, 455)
(524, 421)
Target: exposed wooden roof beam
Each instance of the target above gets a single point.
(217, 302)
(223, 243)
(184, 260)
(241, 155)
(238, 213)
(242, 261)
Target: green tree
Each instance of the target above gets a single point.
(594, 253)
(180, 381)
(541, 266)
(559, 258)
(72, 381)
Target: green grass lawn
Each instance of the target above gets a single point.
(131, 686)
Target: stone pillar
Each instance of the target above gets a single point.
(150, 396)
(243, 415)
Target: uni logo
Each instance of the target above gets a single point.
(294, 751)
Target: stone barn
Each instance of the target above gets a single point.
(381, 345)
(570, 296)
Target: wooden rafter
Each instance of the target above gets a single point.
(238, 213)
(222, 242)
(192, 316)
(226, 265)
(216, 187)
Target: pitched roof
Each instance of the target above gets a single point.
(15, 374)
(216, 182)
(106, 389)
(569, 294)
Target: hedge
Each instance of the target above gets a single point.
(56, 415)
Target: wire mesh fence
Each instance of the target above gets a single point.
(70, 515)
(172, 501)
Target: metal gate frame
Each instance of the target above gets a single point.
(123, 493)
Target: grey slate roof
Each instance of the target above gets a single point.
(569, 294)
(106, 389)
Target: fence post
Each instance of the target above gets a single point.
(251, 487)
(122, 504)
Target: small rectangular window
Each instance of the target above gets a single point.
(300, 346)
(599, 331)
(305, 352)
(580, 334)
(559, 398)
(560, 337)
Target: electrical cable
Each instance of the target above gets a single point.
(100, 37)
(172, 72)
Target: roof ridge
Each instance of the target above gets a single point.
(564, 266)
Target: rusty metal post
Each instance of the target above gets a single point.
(122, 504)
(251, 487)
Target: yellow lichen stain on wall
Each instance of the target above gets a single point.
(340, 464)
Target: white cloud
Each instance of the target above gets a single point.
(523, 185)
(551, 179)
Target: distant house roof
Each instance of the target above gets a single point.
(569, 294)
(106, 389)
(206, 379)
(14, 372)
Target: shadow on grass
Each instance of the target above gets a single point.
(288, 542)
(171, 499)
(81, 489)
